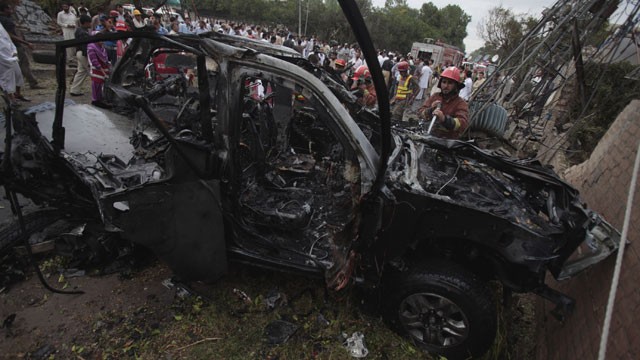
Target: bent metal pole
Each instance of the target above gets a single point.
(616, 272)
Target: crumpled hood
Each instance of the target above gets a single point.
(461, 173)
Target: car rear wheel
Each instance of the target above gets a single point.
(443, 308)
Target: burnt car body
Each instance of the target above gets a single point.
(205, 169)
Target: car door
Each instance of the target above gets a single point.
(301, 167)
(176, 210)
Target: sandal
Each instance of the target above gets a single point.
(21, 97)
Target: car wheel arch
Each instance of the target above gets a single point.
(448, 283)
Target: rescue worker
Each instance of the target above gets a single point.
(341, 70)
(450, 110)
(406, 89)
(365, 90)
(360, 71)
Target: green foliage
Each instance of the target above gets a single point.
(454, 25)
(504, 30)
(612, 93)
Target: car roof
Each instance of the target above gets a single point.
(257, 45)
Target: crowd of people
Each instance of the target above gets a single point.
(415, 85)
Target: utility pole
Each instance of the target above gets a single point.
(306, 20)
(299, 17)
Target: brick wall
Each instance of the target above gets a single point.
(603, 182)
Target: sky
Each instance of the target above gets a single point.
(479, 10)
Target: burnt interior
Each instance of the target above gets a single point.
(298, 188)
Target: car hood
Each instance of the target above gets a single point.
(524, 193)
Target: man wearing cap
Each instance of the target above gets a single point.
(67, 21)
(138, 22)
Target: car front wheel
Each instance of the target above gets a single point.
(443, 308)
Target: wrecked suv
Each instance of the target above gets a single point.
(245, 152)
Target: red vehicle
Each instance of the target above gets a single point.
(166, 62)
(437, 51)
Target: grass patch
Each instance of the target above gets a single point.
(231, 326)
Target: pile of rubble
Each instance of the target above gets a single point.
(36, 24)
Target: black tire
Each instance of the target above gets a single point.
(10, 234)
(443, 308)
(44, 56)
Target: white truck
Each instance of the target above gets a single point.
(437, 51)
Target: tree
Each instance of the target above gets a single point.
(453, 25)
(396, 27)
(429, 14)
(502, 30)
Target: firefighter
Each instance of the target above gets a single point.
(406, 90)
(361, 71)
(341, 70)
(365, 90)
(451, 112)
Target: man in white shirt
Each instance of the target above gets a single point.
(10, 75)
(67, 21)
(465, 93)
(202, 28)
(357, 59)
(423, 83)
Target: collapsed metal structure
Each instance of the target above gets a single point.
(550, 58)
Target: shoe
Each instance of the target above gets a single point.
(74, 94)
(101, 104)
(36, 87)
(21, 97)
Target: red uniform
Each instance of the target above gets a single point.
(452, 106)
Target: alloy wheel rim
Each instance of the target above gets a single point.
(433, 320)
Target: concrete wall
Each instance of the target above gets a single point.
(604, 182)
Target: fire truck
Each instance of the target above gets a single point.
(437, 51)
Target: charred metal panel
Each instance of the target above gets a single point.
(90, 128)
(420, 219)
(600, 241)
(181, 223)
(466, 176)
